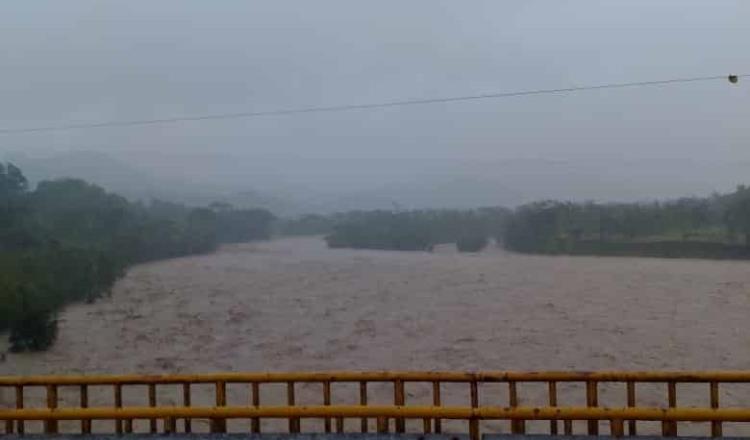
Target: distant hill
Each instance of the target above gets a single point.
(459, 192)
(130, 181)
(448, 184)
(516, 181)
(94, 167)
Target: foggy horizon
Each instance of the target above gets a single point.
(88, 62)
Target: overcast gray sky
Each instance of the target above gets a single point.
(92, 61)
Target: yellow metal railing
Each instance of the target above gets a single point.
(386, 418)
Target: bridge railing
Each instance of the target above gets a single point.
(392, 417)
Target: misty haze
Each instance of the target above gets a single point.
(426, 186)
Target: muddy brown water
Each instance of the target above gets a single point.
(293, 304)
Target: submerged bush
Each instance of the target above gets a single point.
(416, 230)
(35, 330)
(471, 243)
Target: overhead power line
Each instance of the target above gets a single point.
(348, 107)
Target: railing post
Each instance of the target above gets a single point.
(382, 423)
(363, 402)
(9, 422)
(517, 426)
(219, 425)
(339, 425)
(632, 424)
(616, 428)
(552, 391)
(50, 426)
(668, 427)
(426, 426)
(170, 425)
(436, 402)
(294, 423)
(187, 401)
(592, 401)
(399, 400)
(85, 423)
(568, 427)
(473, 422)
(327, 402)
(118, 404)
(715, 425)
(20, 425)
(152, 403)
(255, 421)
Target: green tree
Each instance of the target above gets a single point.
(35, 326)
(737, 216)
(69, 240)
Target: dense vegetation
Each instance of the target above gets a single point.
(713, 227)
(310, 224)
(471, 242)
(416, 230)
(68, 240)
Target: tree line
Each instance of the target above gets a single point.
(717, 226)
(68, 240)
(713, 227)
(418, 230)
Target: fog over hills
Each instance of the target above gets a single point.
(79, 62)
(447, 184)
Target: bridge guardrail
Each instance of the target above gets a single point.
(389, 418)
